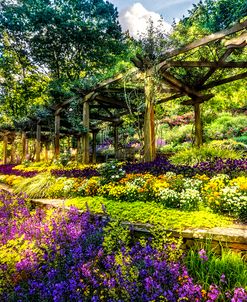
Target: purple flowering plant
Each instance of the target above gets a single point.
(58, 255)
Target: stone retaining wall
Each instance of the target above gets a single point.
(234, 238)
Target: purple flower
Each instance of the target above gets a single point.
(203, 255)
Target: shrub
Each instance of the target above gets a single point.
(207, 152)
(111, 172)
(178, 134)
(226, 126)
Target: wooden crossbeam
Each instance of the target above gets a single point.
(104, 118)
(169, 98)
(224, 81)
(213, 37)
(213, 69)
(112, 101)
(214, 65)
(183, 88)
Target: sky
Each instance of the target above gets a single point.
(133, 15)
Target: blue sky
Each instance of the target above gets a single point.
(134, 13)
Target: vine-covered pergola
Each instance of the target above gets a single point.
(107, 101)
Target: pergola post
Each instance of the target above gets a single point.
(12, 152)
(57, 135)
(38, 141)
(46, 150)
(79, 148)
(85, 138)
(116, 140)
(95, 132)
(149, 133)
(198, 124)
(24, 145)
(5, 148)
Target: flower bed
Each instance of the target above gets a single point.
(60, 256)
(158, 182)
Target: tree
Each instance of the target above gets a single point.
(22, 85)
(70, 38)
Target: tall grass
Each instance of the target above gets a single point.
(35, 187)
(228, 270)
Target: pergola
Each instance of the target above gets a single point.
(107, 100)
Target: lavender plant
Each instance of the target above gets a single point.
(53, 255)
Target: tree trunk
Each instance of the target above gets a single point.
(85, 138)
(149, 132)
(198, 125)
(38, 142)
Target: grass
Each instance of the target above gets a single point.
(151, 212)
(229, 263)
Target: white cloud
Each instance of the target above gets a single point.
(136, 17)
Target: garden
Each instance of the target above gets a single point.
(123, 159)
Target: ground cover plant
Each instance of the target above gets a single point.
(56, 255)
(218, 186)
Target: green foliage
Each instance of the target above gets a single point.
(178, 134)
(213, 16)
(207, 152)
(115, 236)
(35, 187)
(241, 139)
(111, 172)
(70, 38)
(210, 271)
(150, 212)
(226, 126)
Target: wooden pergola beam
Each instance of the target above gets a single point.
(169, 98)
(224, 81)
(213, 69)
(104, 118)
(213, 37)
(183, 88)
(214, 65)
(112, 101)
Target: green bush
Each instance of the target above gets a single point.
(178, 134)
(241, 139)
(226, 126)
(111, 171)
(207, 152)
